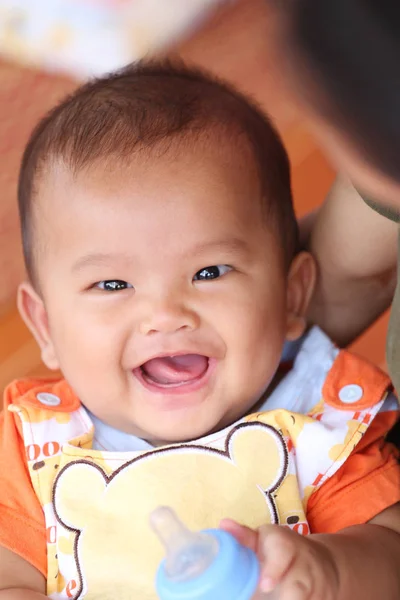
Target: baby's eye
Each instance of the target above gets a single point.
(212, 272)
(112, 285)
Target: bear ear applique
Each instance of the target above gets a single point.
(259, 451)
(78, 489)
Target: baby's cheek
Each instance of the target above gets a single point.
(92, 365)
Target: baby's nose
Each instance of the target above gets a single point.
(168, 315)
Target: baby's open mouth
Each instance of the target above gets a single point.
(174, 371)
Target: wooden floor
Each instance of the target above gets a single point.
(233, 45)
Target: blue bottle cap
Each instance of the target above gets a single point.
(209, 565)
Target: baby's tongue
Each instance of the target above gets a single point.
(175, 369)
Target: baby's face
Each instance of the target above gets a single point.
(164, 291)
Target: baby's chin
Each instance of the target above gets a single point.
(195, 422)
(190, 433)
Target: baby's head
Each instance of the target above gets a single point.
(160, 242)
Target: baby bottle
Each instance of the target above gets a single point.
(208, 565)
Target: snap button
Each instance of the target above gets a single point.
(349, 394)
(48, 399)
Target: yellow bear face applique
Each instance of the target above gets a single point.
(115, 551)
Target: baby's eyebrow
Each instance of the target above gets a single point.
(99, 259)
(231, 245)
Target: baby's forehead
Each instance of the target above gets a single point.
(205, 187)
(160, 162)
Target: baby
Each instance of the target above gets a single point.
(164, 279)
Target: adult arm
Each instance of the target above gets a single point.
(356, 252)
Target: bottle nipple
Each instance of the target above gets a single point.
(188, 554)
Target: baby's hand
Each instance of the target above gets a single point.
(295, 567)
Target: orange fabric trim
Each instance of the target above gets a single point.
(25, 391)
(22, 524)
(349, 369)
(367, 483)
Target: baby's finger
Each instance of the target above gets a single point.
(278, 550)
(244, 535)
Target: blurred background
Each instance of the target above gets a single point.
(231, 40)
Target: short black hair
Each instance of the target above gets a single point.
(139, 107)
(351, 48)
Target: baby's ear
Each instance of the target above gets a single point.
(33, 311)
(300, 288)
(78, 490)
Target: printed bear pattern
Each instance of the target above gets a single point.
(115, 551)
